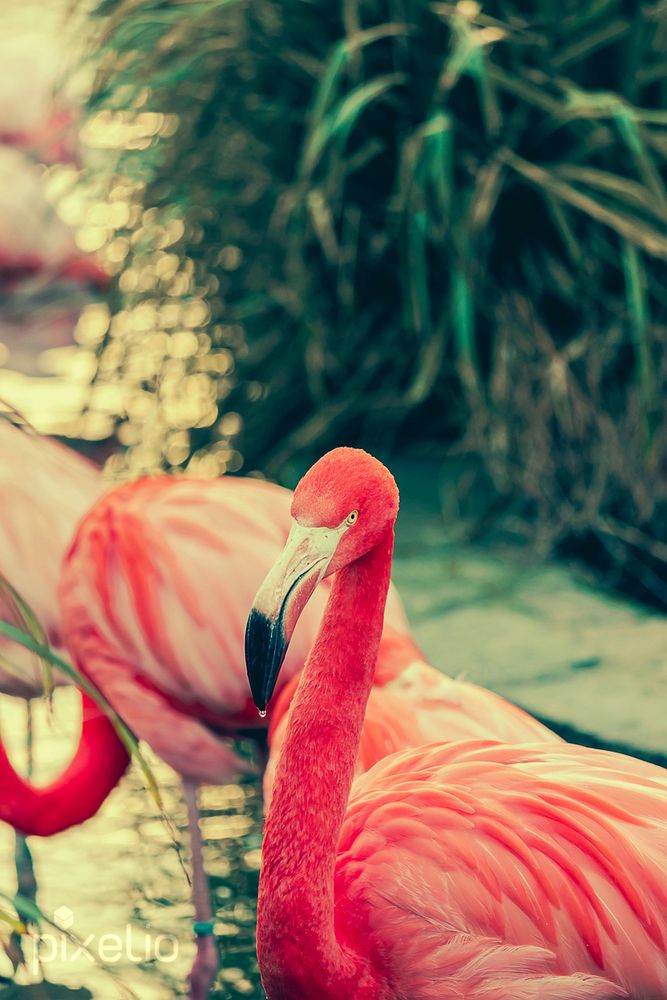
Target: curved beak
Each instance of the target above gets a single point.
(279, 602)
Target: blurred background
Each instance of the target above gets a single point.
(430, 229)
(235, 233)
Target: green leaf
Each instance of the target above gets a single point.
(27, 619)
(632, 193)
(464, 331)
(340, 59)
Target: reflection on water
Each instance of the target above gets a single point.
(121, 884)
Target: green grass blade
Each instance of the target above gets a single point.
(339, 122)
(28, 620)
(631, 193)
(638, 309)
(464, 330)
(635, 230)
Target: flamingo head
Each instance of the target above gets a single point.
(342, 508)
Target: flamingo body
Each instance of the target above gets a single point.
(34, 241)
(32, 116)
(481, 870)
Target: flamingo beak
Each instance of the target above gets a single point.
(279, 602)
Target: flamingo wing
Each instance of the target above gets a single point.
(162, 572)
(445, 708)
(505, 873)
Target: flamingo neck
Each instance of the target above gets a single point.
(299, 947)
(96, 767)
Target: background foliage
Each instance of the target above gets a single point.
(403, 224)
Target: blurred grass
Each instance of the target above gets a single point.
(420, 224)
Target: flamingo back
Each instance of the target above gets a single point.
(495, 872)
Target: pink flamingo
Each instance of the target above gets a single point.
(143, 618)
(44, 489)
(472, 869)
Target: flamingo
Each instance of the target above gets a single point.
(470, 869)
(34, 241)
(44, 278)
(44, 488)
(42, 121)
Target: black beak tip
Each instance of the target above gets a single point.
(261, 653)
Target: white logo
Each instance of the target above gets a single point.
(108, 949)
(63, 917)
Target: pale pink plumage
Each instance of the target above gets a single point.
(44, 490)
(34, 241)
(413, 705)
(35, 112)
(509, 873)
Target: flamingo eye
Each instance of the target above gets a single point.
(352, 517)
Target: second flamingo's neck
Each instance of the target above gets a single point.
(297, 941)
(97, 766)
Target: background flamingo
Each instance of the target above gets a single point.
(44, 489)
(471, 869)
(45, 279)
(34, 242)
(37, 113)
(412, 703)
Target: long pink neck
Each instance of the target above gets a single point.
(296, 936)
(96, 767)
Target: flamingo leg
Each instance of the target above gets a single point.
(206, 960)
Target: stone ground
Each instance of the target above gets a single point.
(588, 663)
